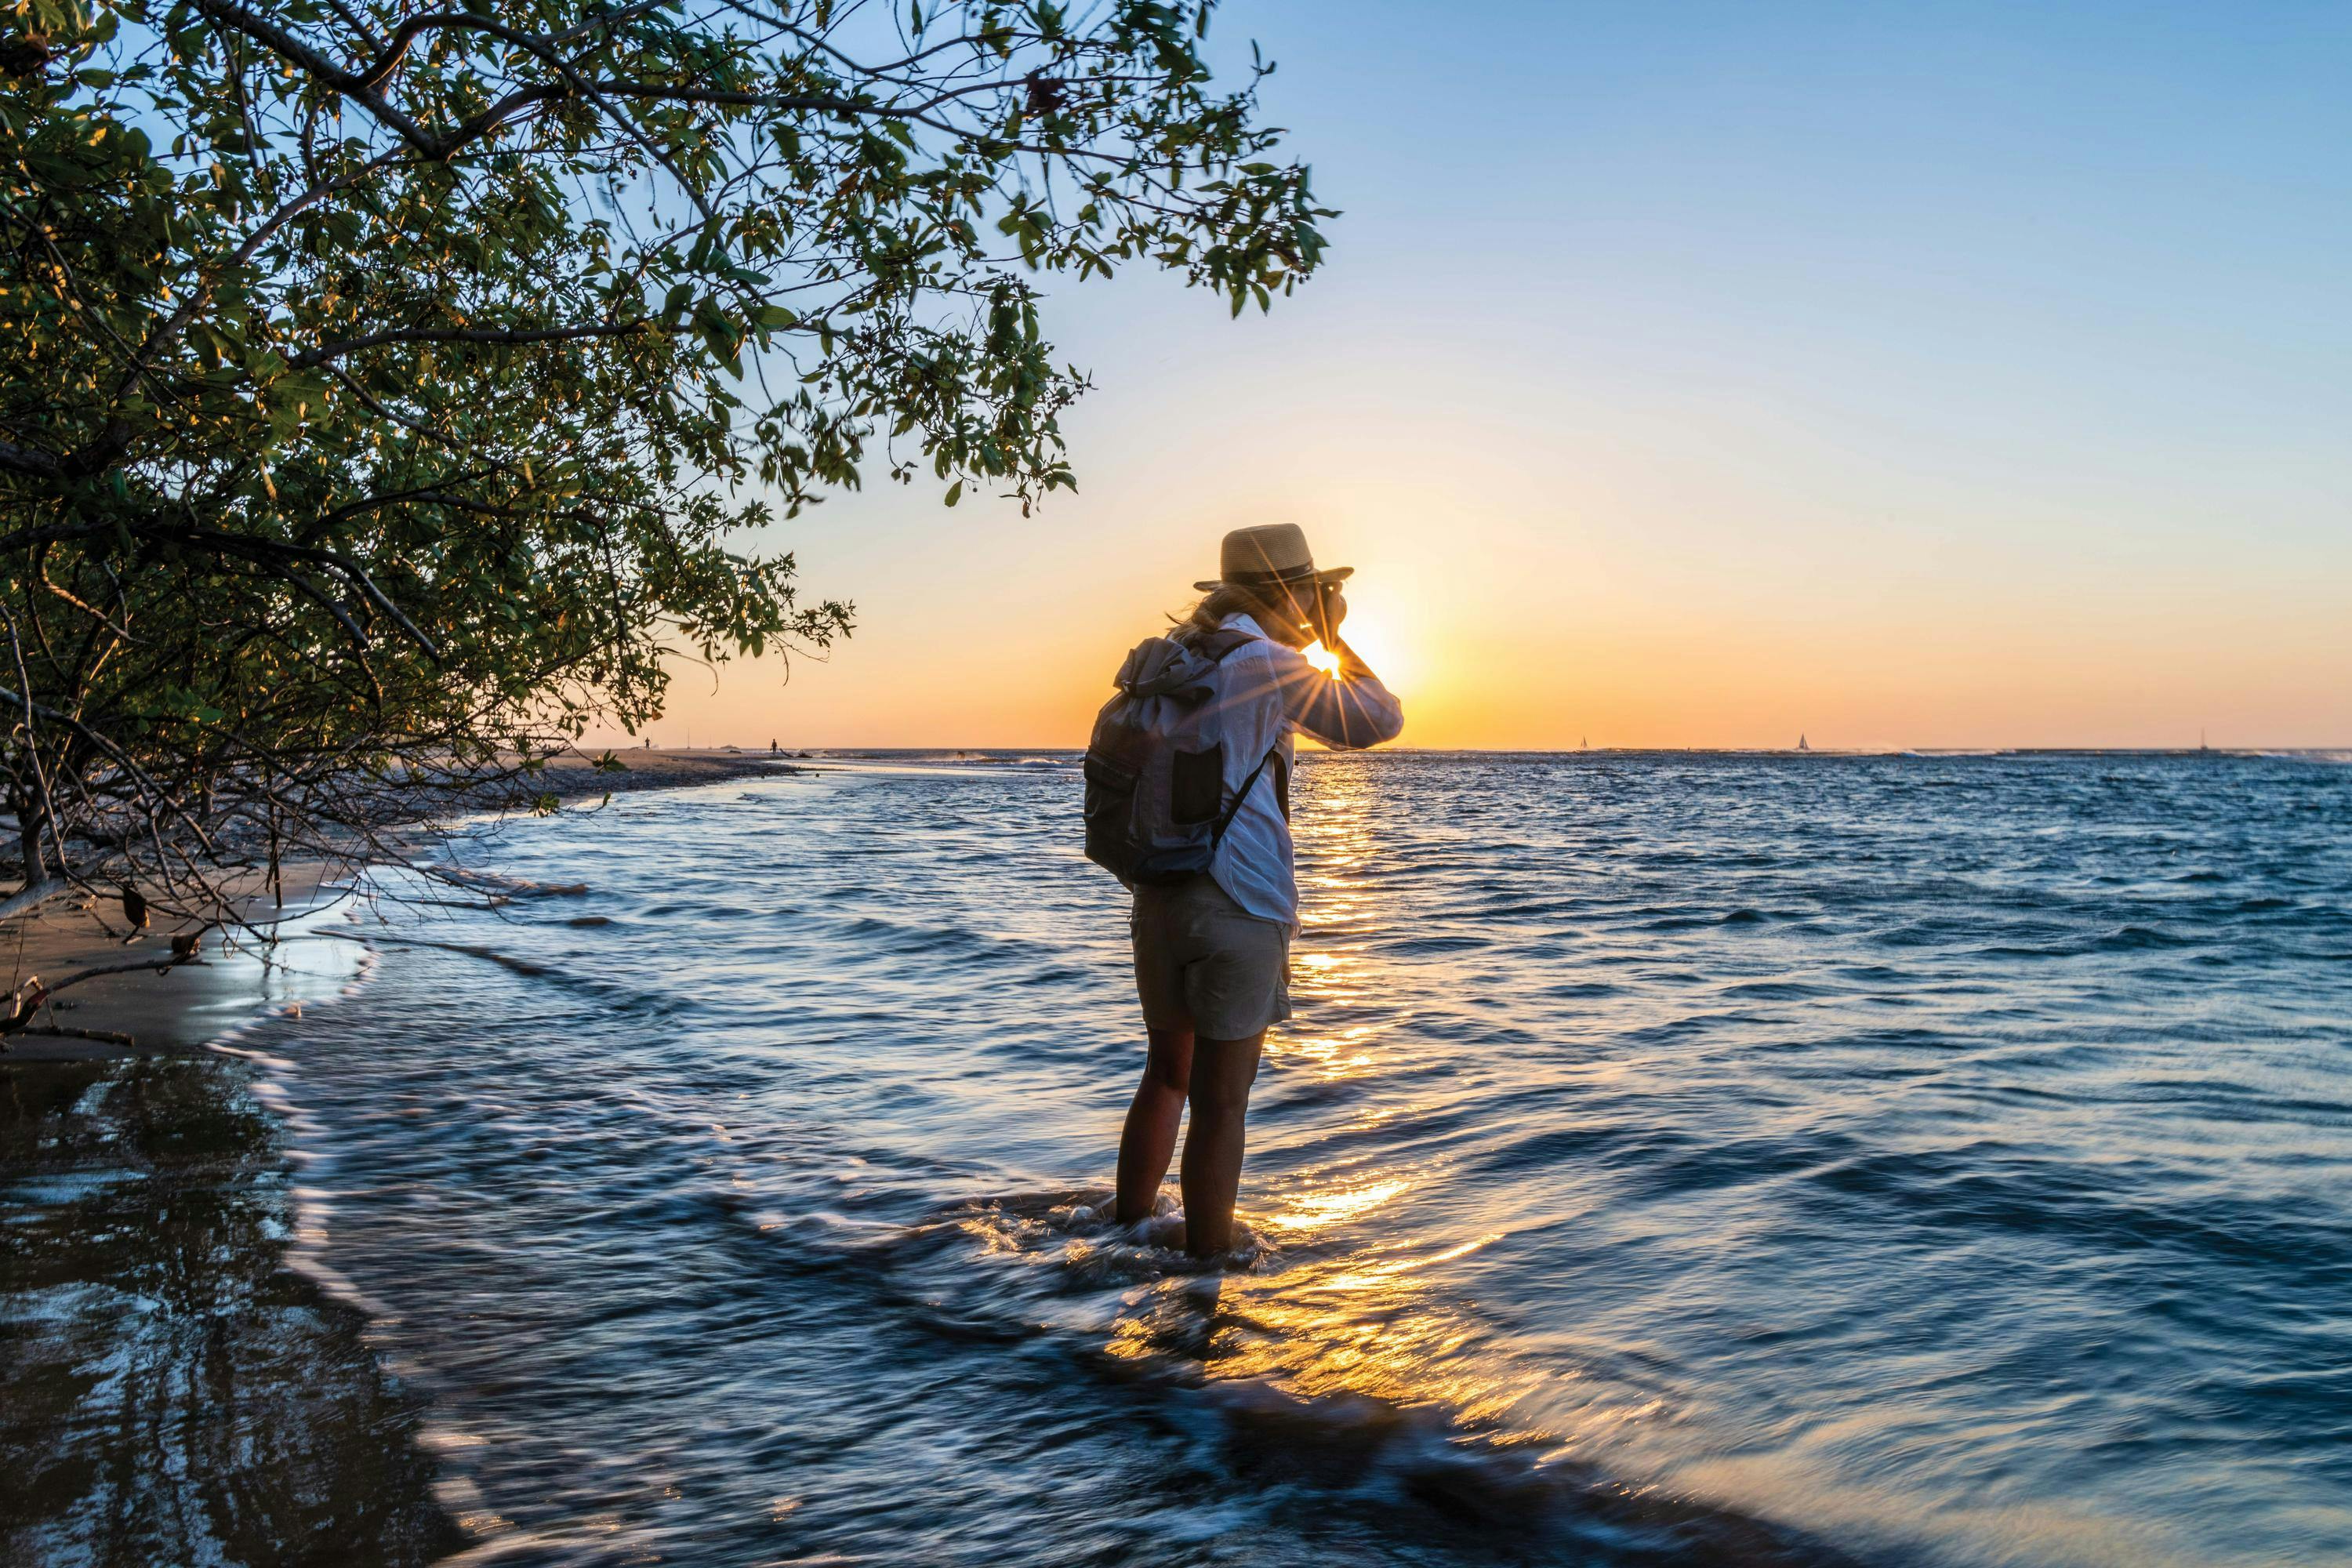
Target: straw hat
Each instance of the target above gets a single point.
(1274, 556)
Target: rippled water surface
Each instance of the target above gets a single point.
(1674, 1161)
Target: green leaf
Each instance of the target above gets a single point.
(509, 387)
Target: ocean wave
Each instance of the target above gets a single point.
(1673, 1159)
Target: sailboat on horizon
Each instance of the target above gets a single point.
(1800, 744)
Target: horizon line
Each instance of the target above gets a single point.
(2236, 750)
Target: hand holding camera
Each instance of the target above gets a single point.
(1334, 611)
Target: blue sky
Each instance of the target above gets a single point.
(1689, 375)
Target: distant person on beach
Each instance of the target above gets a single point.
(1189, 800)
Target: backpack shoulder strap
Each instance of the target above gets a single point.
(1274, 754)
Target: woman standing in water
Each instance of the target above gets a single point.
(1212, 951)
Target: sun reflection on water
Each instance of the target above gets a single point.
(1361, 1327)
(1325, 1312)
(1341, 1301)
(1335, 971)
(1313, 1210)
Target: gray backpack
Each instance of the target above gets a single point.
(1156, 808)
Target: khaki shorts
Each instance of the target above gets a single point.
(1203, 965)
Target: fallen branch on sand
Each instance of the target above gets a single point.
(26, 1002)
(103, 1036)
(26, 899)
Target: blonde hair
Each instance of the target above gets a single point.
(1227, 600)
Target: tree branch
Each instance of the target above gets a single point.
(31, 461)
(25, 900)
(509, 336)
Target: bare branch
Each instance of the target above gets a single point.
(25, 900)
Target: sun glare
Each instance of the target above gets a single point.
(1371, 634)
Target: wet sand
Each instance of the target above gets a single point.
(174, 1392)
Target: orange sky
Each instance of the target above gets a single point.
(1541, 561)
(1506, 620)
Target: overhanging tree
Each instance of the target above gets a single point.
(384, 390)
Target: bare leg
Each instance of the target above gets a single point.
(1223, 1071)
(1149, 1140)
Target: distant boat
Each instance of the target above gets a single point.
(1583, 744)
(1800, 745)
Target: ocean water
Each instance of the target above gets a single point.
(1688, 1160)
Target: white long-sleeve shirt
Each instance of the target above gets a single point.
(1269, 693)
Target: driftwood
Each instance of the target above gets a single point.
(103, 1036)
(25, 900)
(26, 1002)
(510, 887)
(520, 965)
